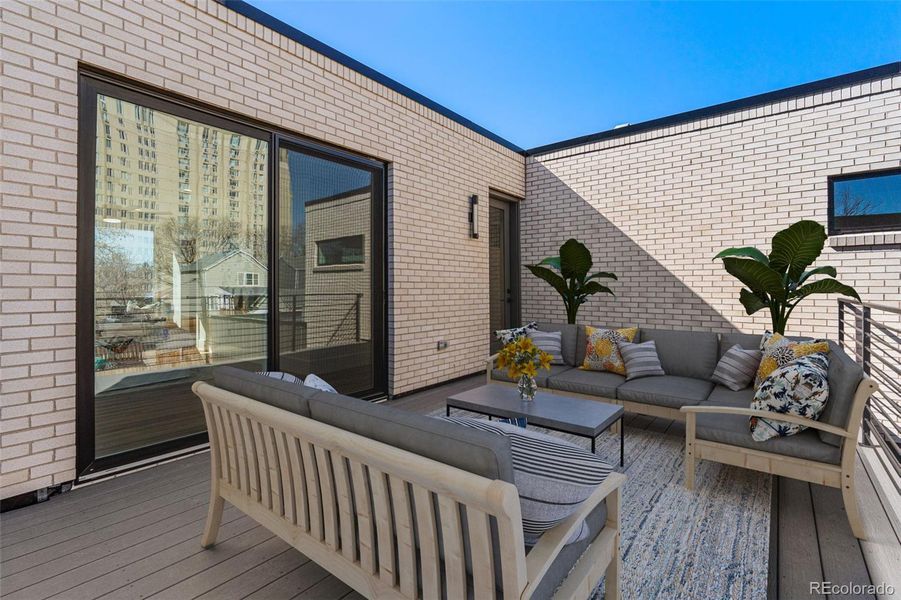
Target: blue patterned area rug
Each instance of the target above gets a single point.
(707, 544)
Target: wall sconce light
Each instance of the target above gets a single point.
(474, 217)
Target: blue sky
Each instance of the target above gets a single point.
(536, 72)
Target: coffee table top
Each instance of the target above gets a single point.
(563, 413)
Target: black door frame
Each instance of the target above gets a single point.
(92, 82)
(513, 266)
(378, 241)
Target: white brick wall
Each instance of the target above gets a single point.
(655, 207)
(204, 51)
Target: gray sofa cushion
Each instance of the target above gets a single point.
(734, 430)
(668, 390)
(844, 377)
(595, 383)
(749, 341)
(478, 452)
(541, 379)
(568, 556)
(569, 339)
(685, 353)
(281, 394)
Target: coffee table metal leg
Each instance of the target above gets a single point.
(621, 441)
(448, 411)
(592, 444)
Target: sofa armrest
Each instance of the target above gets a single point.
(489, 364)
(765, 414)
(543, 554)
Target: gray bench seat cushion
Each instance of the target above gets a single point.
(685, 353)
(734, 430)
(568, 339)
(541, 379)
(570, 553)
(748, 341)
(669, 391)
(478, 452)
(844, 376)
(286, 395)
(594, 383)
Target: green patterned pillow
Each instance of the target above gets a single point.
(800, 387)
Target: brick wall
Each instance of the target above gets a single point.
(438, 276)
(655, 207)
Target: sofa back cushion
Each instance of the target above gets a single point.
(286, 395)
(844, 376)
(475, 451)
(748, 341)
(685, 353)
(568, 340)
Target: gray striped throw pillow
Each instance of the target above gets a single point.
(552, 476)
(641, 360)
(549, 341)
(281, 375)
(737, 368)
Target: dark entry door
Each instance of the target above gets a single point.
(500, 266)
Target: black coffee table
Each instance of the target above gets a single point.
(584, 418)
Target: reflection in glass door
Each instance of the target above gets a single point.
(330, 288)
(179, 269)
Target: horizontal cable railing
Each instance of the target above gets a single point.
(136, 334)
(871, 333)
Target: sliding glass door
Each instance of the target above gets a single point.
(192, 226)
(330, 256)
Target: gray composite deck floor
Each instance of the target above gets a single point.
(137, 536)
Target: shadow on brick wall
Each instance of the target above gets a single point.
(647, 293)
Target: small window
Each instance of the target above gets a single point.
(252, 279)
(866, 202)
(340, 251)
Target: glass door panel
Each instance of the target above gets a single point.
(330, 270)
(180, 269)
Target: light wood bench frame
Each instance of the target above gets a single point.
(837, 476)
(302, 480)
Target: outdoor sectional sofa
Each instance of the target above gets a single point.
(717, 417)
(395, 504)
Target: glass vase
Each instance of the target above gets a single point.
(527, 387)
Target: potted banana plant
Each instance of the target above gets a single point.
(781, 280)
(568, 274)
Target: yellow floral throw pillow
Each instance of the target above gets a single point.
(602, 353)
(778, 351)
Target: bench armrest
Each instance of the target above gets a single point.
(489, 366)
(772, 416)
(543, 554)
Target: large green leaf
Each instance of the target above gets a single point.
(825, 270)
(575, 259)
(557, 282)
(760, 278)
(826, 286)
(593, 287)
(551, 261)
(746, 252)
(751, 301)
(603, 275)
(795, 248)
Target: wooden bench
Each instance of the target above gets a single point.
(371, 514)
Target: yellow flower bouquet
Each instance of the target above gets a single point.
(522, 359)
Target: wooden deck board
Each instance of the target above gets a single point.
(137, 535)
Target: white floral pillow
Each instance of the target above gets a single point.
(508, 335)
(800, 387)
